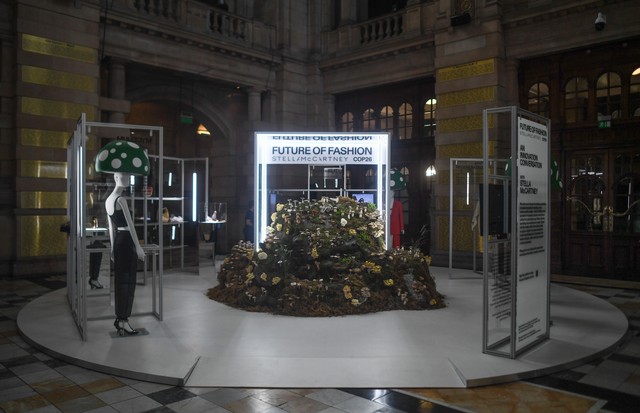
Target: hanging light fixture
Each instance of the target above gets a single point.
(203, 131)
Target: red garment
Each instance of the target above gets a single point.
(396, 222)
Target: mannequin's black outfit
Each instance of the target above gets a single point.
(125, 263)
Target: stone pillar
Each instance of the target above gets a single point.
(348, 12)
(117, 87)
(255, 108)
(511, 82)
(330, 105)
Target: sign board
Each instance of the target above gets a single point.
(335, 150)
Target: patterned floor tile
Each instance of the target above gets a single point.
(34, 382)
(171, 395)
(195, 405)
(304, 405)
(221, 397)
(277, 397)
(102, 385)
(24, 404)
(80, 404)
(137, 404)
(248, 405)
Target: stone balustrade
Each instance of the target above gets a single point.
(199, 18)
(381, 29)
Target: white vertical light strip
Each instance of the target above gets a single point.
(264, 201)
(194, 204)
(173, 232)
(132, 180)
(467, 188)
(170, 178)
(262, 192)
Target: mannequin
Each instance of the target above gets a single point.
(125, 248)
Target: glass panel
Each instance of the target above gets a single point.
(429, 124)
(405, 121)
(634, 95)
(576, 97)
(346, 122)
(386, 120)
(587, 192)
(539, 99)
(368, 120)
(608, 93)
(626, 196)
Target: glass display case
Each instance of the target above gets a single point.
(183, 184)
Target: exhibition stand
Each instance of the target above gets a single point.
(85, 208)
(515, 224)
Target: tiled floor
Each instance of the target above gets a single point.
(31, 381)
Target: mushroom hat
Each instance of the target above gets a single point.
(123, 156)
(397, 180)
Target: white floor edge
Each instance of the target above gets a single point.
(202, 343)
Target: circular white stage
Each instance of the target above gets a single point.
(203, 343)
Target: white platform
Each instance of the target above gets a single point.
(204, 343)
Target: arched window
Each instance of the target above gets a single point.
(576, 95)
(405, 171)
(369, 120)
(429, 119)
(346, 122)
(405, 121)
(634, 94)
(608, 92)
(386, 120)
(538, 99)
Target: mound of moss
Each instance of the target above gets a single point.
(325, 258)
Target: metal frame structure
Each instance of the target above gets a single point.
(77, 251)
(474, 163)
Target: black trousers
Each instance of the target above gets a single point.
(125, 263)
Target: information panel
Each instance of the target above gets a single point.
(532, 241)
(515, 220)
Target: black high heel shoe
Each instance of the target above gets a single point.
(124, 328)
(95, 284)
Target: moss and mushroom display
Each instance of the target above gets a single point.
(325, 258)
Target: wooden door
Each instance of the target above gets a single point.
(602, 225)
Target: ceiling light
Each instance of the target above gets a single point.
(202, 130)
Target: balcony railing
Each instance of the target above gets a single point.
(228, 25)
(380, 29)
(168, 9)
(199, 18)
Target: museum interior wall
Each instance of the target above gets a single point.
(422, 70)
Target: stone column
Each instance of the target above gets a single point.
(348, 12)
(330, 105)
(255, 107)
(511, 82)
(117, 87)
